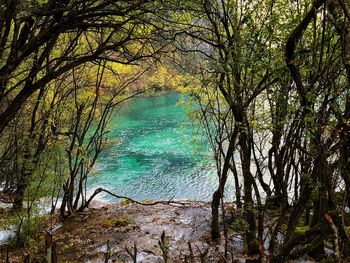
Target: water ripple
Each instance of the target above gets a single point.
(158, 156)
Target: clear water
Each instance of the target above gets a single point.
(156, 154)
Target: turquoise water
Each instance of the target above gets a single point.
(156, 154)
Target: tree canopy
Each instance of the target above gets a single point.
(270, 81)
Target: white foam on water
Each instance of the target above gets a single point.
(6, 235)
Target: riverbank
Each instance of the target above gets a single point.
(177, 231)
(153, 231)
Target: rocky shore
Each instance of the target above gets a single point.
(117, 232)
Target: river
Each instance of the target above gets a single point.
(156, 153)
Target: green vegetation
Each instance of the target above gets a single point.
(116, 222)
(269, 81)
(301, 229)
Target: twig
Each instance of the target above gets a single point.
(107, 254)
(133, 254)
(203, 255)
(191, 252)
(48, 247)
(164, 247)
(26, 258)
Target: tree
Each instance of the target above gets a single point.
(40, 41)
(230, 40)
(268, 73)
(46, 41)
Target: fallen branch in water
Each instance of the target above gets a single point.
(99, 190)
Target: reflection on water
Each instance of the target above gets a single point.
(160, 155)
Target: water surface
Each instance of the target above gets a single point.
(156, 153)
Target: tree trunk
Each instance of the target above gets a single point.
(340, 11)
(251, 241)
(218, 194)
(22, 182)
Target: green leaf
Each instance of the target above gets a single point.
(42, 2)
